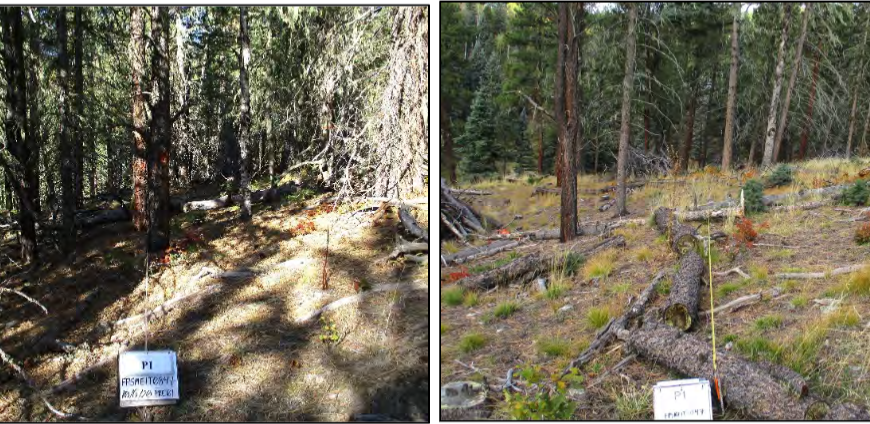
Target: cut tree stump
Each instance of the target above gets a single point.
(526, 268)
(681, 310)
(746, 386)
(681, 237)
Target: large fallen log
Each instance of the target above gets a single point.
(714, 214)
(526, 268)
(681, 237)
(681, 311)
(813, 275)
(260, 196)
(746, 386)
(477, 252)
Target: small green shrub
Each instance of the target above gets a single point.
(471, 342)
(753, 191)
(597, 317)
(543, 405)
(506, 309)
(862, 233)
(781, 176)
(573, 261)
(452, 297)
(856, 194)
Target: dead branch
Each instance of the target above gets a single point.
(452, 228)
(812, 275)
(399, 287)
(411, 224)
(735, 270)
(8, 360)
(403, 247)
(608, 333)
(526, 268)
(471, 253)
(470, 192)
(26, 297)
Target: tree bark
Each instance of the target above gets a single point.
(559, 96)
(78, 104)
(783, 121)
(568, 198)
(625, 124)
(16, 154)
(67, 167)
(690, 129)
(447, 156)
(809, 118)
(681, 310)
(34, 139)
(768, 158)
(244, 115)
(728, 139)
(159, 144)
(140, 167)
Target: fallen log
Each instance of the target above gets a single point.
(746, 386)
(525, 269)
(403, 247)
(545, 190)
(708, 214)
(681, 311)
(260, 196)
(813, 275)
(795, 381)
(411, 224)
(779, 199)
(681, 238)
(453, 228)
(594, 228)
(476, 252)
(470, 192)
(608, 332)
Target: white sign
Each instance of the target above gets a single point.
(147, 378)
(683, 400)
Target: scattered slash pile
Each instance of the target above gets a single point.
(760, 390)
(457, 218)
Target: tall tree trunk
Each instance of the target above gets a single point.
(140, 168)
(625, 125)
(708, 126)
(34, 139)
(809, 118)
(568, 224)
(864, 133)
(686, 151)
(768, 158)
(559, 97)
(783, 121)
(447, 156)
(78, 124)
(15, 156)
(67, 166)
(245, 114)
(728, 138)
(159, 144)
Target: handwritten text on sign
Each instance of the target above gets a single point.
(683, 400)
(147, 378)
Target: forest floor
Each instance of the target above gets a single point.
(819, 327)
(242, 355)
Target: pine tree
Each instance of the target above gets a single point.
(478, 145)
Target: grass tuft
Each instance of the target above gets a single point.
(768, 322)
(728, 288)
(600, 266)
(471, 342)
(506, 309)
(634, 404)
(470, 299)
(644, 254)
(859, 282)
(598, 317)
(452, 296)
(554, 347)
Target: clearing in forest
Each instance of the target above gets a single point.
(798, 272)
